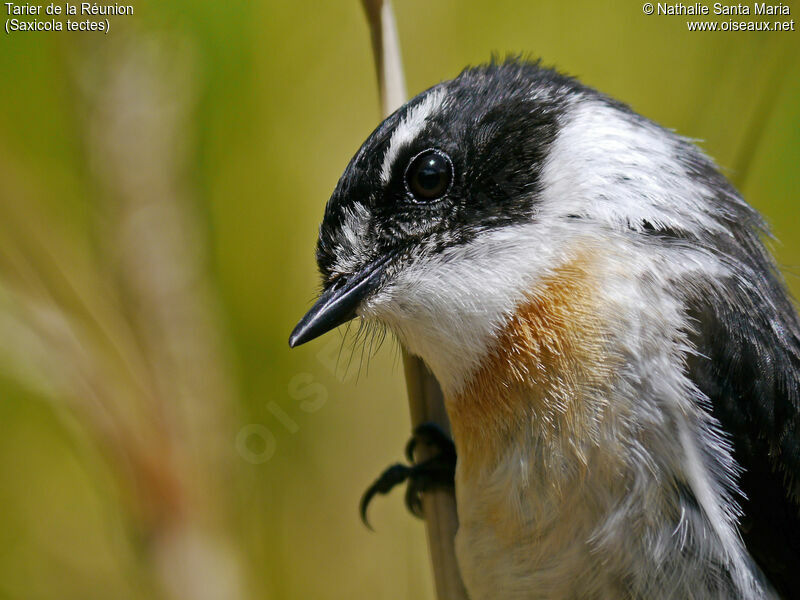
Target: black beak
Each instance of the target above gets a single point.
(338, 303)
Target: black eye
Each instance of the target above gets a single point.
(429, 175)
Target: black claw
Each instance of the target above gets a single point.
(433, 473)
(394, 475)
(411, 445)
(413, 500)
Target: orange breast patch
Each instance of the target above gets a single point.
(548, 359)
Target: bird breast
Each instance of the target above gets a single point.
(527, 426)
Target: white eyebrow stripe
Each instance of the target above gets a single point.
(408, 129)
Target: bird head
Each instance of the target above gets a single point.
(476, 188)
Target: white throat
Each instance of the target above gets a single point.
(448, 308)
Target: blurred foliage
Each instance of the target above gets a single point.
(160, 191)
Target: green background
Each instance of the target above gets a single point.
(157, 435)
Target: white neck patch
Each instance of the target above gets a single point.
(622, 172)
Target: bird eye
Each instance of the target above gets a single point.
(429, 175)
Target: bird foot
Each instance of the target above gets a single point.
(436, 472)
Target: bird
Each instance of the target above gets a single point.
(618, 352)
